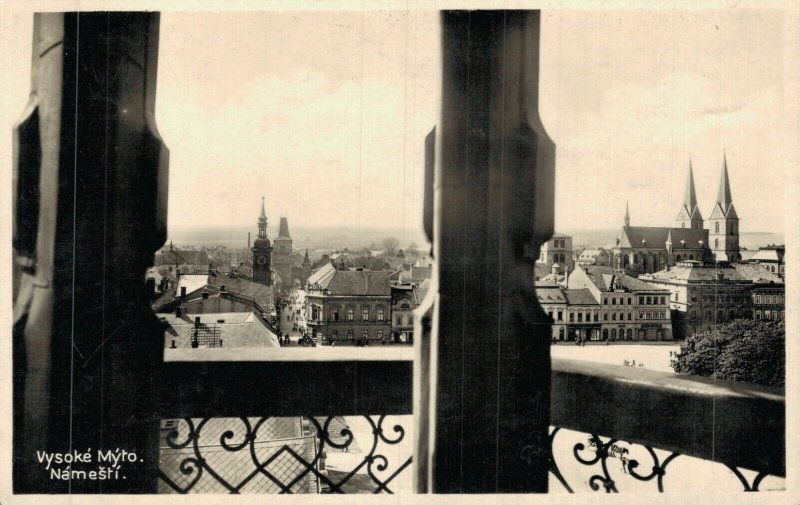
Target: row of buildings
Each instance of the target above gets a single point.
(660, 283)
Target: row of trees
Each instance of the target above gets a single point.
(742, 350)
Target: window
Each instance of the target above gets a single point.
(580, 317)
(380, 312)
(365, 313)
(334, 313)
(365, 335)
(716, 227)
(649, 300)
(605, 316)
(560, 315)
(613, 316)
(605, 301)
(641, 300)
(349, 334)
(630, 300)
(758, 314)
(758, 299)
(335, 334)
(571, 317)
(550, 314)
(380, 334)
(641, 314)
(613, 301)
(630, 315)
(350, 314)
(596, 317)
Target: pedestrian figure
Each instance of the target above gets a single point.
(624, 464)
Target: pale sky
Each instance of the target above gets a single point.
(325, 114)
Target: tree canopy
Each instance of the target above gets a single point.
(742, 350)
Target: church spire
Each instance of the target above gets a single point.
(262, 221)
(690, 197)
(724, 194)
(306, 259)
(627, 215)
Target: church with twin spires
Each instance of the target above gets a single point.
(647, 249)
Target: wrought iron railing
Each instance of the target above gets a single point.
(283, 455)
(628, 426)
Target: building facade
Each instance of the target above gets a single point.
(557, 250)
(703, 295)
(349, 307)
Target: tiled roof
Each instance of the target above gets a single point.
(349, 282)
(260, 293)
(603, 277)
(770, 254)
(322, 275)
(757, 273)
(540, 270)
(580, 297)
(689, 238)
(371, 263)
(632, 236)
(550, 294)
(696, 272)
(191, 282)
(237, 330)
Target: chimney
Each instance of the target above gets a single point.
(248, 240)
(183, 291)
(197, 321)
(178, 311)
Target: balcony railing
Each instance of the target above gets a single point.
(609, 423)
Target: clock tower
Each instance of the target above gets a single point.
(262, 252)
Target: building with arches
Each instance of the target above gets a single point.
(648, 249)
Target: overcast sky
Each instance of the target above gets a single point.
(325, 114)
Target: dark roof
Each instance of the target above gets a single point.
(688, 238)
(239, 329)
(580, 297)
(283, 229)
(550, 294)
(604, 276)
(260, 293)
(350, 282)
(370, 263)
(177, 256)
(653, 236)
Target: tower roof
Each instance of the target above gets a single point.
(690, 197)
(306, 260)
(283, 230)
(724, 193)
(627, 215)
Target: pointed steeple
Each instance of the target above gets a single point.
(627, 215)
(262, 221)
(306, 260)
(690, 197)
(724, 194)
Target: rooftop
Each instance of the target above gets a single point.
(234, 329)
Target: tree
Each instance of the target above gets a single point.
(389, 245)
(742, 350)
(412, 249)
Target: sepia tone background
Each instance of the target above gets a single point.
(611, 115)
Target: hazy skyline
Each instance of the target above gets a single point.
(325, 113)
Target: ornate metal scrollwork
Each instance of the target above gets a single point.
(275, 464)
(612, 448)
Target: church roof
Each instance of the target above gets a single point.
(643, 236)
(690, 196)
(724, 192)
(687, 238)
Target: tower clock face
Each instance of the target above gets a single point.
(262, 260)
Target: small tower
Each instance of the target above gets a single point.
(724, 222)
(689, 216)
(282, 257)
(305, 270)
(627, 215)
(262, 251)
